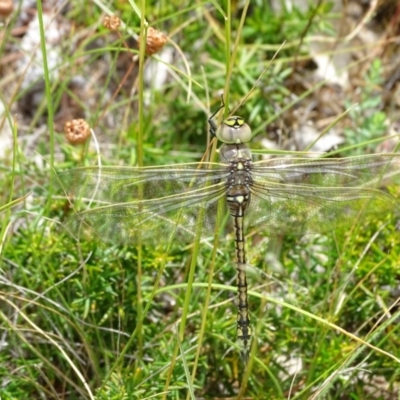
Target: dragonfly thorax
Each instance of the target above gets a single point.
(234, 130)
(239, 180)
(234, 152)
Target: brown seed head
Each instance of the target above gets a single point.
(77, 131)
(155, 41)
(111, 22)
(6, 7)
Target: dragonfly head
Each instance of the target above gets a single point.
(234, 130)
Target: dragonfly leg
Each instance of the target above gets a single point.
(213, 125)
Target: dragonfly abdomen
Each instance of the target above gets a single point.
(243, 319)
(238, 197)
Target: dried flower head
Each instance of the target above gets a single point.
(77, 131)
(155, 41)
(112, 23)
(6, 7)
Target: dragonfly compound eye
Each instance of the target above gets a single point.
(234, 130)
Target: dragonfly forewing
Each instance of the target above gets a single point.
(371, 171)
(124, 184)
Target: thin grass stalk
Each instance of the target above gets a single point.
(46, 77)
(139, 150)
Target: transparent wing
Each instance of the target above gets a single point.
(282, 209)
(146, 204)
(125, 184)
(317, 195)
(372, 171)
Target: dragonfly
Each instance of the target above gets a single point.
(297, 195)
